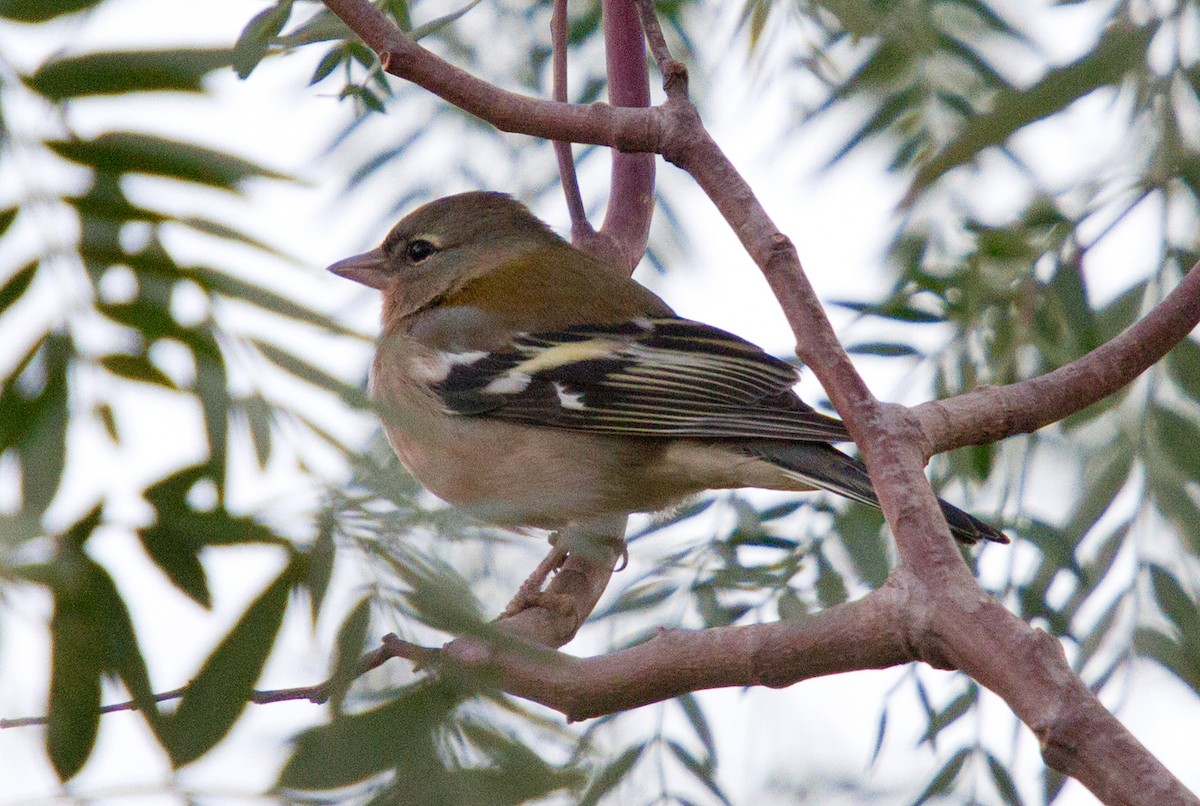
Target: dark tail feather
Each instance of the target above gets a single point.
(827, 468)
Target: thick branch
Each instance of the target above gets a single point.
(865, 634)
(1028, 669)
(631, 188)
(623, 128)
(989, 414)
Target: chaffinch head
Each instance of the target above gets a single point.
(531, 384)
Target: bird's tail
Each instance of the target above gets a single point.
(827, 468)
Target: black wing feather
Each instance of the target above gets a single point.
(652, 377)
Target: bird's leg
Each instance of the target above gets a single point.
(601, 535)
(530, 593)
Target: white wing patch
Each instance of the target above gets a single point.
(568, 399)
(437, 367)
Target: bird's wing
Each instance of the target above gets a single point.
(663, 377)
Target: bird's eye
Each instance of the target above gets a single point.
(419, 250)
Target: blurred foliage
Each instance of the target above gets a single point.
(1105, 506)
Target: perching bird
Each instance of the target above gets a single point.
(531, 384)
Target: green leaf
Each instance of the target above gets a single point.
(831, 588)
(1168, 487)
(1170, 653)
(641, 596)
(953, 711)
(1183, 362)
(1003, 781)
(400, 734)
(14, 287)
(283, 359)
(886, 349)
(1104, 474)
(259, 419)
(104, 414)
(217, 281)
(790, 606)
(175, 549)
(611, 775)
(323, 26)
(702, 770)
(351, 638)
(945, 777)
(1175, 604)
(1178, 438)
(40, 427)
(256, 37)
(42, 10)
(76, 663)
(1119, 51)
(131, 152)
(211, 386)
(897, 310)
(135, 368)
(320, 565)
(174, 541)
(858, 527)
(437, 593)
(515, 773)
(695, 716)
(433, 26)
(7, 217)
(329, 62)
(368, 99)
(218, 694)
(122, 72)
(1100, 631)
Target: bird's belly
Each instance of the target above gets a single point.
(526, 476)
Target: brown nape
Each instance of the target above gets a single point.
(557, 286)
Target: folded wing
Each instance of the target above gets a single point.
(663, 377)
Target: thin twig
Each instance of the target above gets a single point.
(674, 74)
(580, 228)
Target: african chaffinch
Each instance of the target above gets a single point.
(531, 384)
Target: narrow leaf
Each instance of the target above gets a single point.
(132, 152)
(611, 775)
(399, 734)
(945, 777)
(123, 72)
(76, 663)
(135, 368)
(219, 693)
(14, 287)
(1120, 49)
(256, 37)
(42, 10)
(351, 638)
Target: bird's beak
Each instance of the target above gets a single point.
(369, 268)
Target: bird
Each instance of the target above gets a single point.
(536, 386)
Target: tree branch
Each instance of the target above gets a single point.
(631, 186)
(864, 634)
(623, 128)
(581, 230)
(989, 414)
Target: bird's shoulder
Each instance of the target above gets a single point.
(556, 286)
